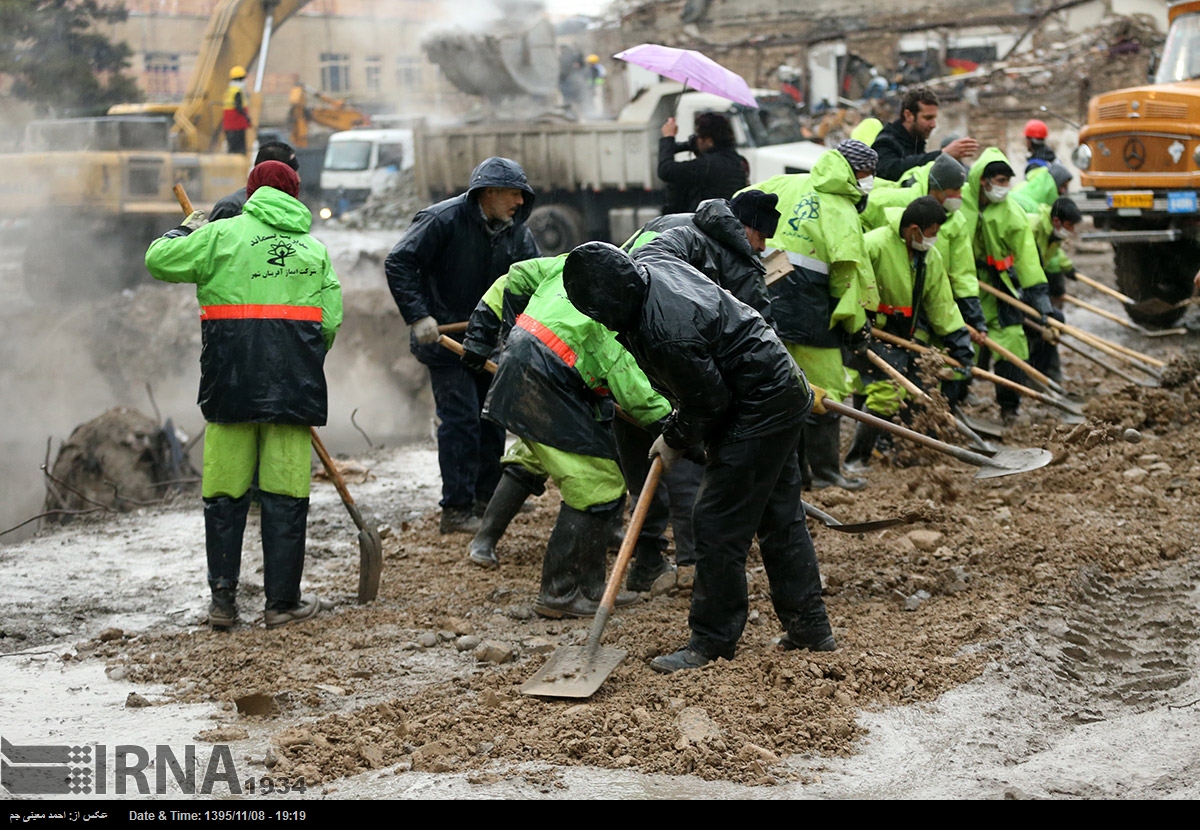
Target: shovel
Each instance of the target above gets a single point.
(1119, 320)
(861, 527)
(370, 546)
(1089, 356)
(1072, 409)
(1151, 307)
(1003, 463)
(578, 671)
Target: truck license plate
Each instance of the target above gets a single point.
(1182, 202)
(1134, 199)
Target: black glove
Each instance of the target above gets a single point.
(859, 341)
(1038, 296)
(474, 361)
(958, 343)
(1069, 273)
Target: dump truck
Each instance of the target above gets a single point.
(1139, 162)
(86, 196)
(592, 179)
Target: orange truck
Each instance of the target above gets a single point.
(1139, 162)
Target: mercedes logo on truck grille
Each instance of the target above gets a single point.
(1134, 154)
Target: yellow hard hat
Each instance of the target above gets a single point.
(237, 73)
(593, 59)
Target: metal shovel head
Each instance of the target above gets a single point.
(989, 428)
(1010, 462)
(370, 561)
(570, 672)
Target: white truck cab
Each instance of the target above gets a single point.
(361, 162)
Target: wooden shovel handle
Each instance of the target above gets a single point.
(1023, 365)
(334, 473)
(898, 376)
(184, 202)
(1104, 289)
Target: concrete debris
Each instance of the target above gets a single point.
(390, 210)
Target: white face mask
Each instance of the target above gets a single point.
(926, 243)
(1065, 235)
(996, 194)
(866, 184)
(952, 204)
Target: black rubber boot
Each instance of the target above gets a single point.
(506, 502)
(224, 525)
(649, 563)
(861, 448)
(284, 528)
(824, 454)
(1009, 399)
(574, 566)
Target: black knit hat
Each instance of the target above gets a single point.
(756, 209)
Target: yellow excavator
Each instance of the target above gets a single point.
(335, 114)
(87, 195)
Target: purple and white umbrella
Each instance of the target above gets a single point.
(692, 69)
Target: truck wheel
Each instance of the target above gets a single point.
(1156, 270)
(556, 228)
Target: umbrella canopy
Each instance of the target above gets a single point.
(692, 69)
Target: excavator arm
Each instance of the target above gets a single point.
(234, 38)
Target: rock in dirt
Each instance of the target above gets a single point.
(1132, 436)
(110, 634)
(437, 756)
(136, 701)
(467, 642)
(925, 540)
(494, 652)
(222, 735)
(695, 726)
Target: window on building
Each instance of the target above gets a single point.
(335, 72)
(162, 74)
(374, 73)
(410, 73)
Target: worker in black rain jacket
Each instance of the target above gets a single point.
(738, 397)
(437, 273)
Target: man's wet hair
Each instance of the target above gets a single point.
(715, 126)
(924, 212)
(1065, 210)
(277, 151)
(916, 96)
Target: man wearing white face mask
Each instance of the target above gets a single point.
(1052, 226)
(1007, 258)
(943, 179)
(914, 296)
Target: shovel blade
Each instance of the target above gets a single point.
(988, 428)
(1011, 462)
(571, 672)
(868, 527)
(370, 563)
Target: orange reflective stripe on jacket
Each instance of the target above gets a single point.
(1000, 264)
(548, 337)
(261, 312)
(902, 310)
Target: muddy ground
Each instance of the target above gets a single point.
(1028, 636)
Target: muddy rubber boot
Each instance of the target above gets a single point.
(506, 502)
(574, 565)
(824, 455)
(649, 564)
(861, 448)
(284, 528)
(616, 527)
(458, 520)
(224, 525)
(592, 566)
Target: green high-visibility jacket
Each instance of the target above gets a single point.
(560, 370)
(895, 276)
(1054, 258)
(1038, 189)
(831, 284)
(270, 305)
(1000, 233)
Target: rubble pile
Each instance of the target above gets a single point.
(392, 209)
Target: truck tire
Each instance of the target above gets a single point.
(557, 228)
(1161, 270)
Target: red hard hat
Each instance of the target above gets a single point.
(1036, 129)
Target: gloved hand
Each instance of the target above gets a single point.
(1069, 273)
(818, 405)
(1038, 296)
(425, 330)
(666, 452)
(195, 221)
(474, 361)
(860, 341)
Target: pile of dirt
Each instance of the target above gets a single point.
(119, 461)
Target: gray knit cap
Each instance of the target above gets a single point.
(946, 173)
(1060, 173)
(860, 156)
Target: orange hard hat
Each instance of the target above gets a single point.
(1036, 129)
